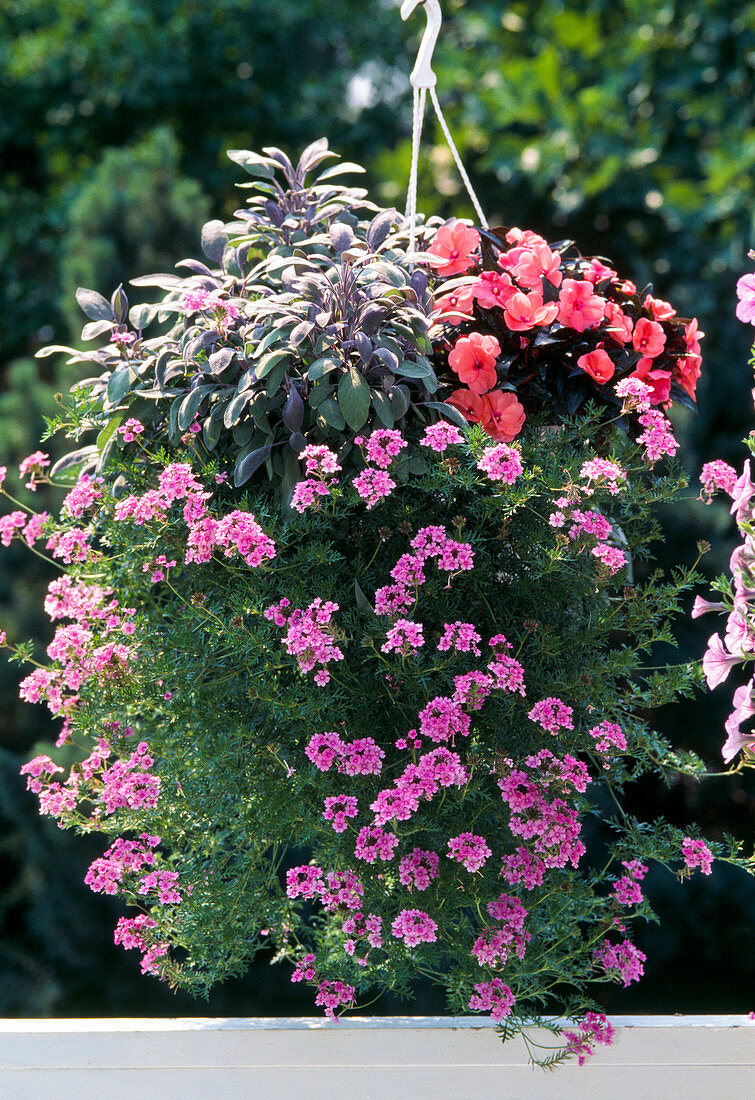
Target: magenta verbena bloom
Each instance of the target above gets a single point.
(414, 926)
(441, 435)
(552, 714)
(373, 486)
(501, 463)
(697, 854)
(470, 850)
(593, 1028)
(493, 997)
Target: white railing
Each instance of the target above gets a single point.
(411, 1058)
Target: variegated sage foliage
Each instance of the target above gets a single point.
(316, 330)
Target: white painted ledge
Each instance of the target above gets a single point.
(373, 1058)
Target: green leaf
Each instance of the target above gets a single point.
(109, 430)
(119, 383)
(331, 413)
(322, 366)
(382, 406)
(268, 361)
(235, 408)
(448, 412)
(362, 602)
(354, 398)
(249, 465)
(190, 405)
(413, 370)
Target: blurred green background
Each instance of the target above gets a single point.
(626, 125)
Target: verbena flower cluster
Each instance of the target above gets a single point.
(360, 710)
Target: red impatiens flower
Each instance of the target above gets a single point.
(620, 325)
(597, 364)
(452, 249)
(473, 359)
(649, 338)
(525, 311)
(579, 307)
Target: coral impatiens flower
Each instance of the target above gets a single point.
(452, 250)
(649, 338)
(503, 416)
(536, 264)
(493, 290)
(658, 380)
(473, 359)
(620, 326)
(579, 307)
(499, 413)
(455, 306)
(525, 311)
(597, 364)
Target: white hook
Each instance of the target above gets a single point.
(422, 74)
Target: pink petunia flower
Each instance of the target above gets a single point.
(745, 310)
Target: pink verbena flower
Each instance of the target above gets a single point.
(593, 1028)
(462, 636)
(81, 498)
(623, 962)
(404, 637)
(441, 435)
(344, 891)
(443, 719)
(611, 557)
(309, 494)
(331, 995)
(470, 850)
(373, 486)
(304, 882)
(608, 736)
(472, 689)
(658, 438)
(507, 674)
(635, 394)
(130, 430)
(493, 997)
(35, 464)
(417, 870)
(338, 809)
(523, 868)
(552, 715)
(319, 460)
(602, 472)
(383, 446)
(627, 892)
(374, 843)
(716, 476)
(414, 926)
(697, 854)
(501, 463)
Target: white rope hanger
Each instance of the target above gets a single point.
(423, 79)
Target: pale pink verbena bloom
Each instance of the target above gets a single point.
(319, 460)
(697, 854)
(373, 486)
(611, 557)
(441, 435)
(601, 471)
(309, 494)
(82, 497)
(35, 464)
(501, 463)
(658, 438)
(383, 446)
(635, 394)
(716, 476)
(130, 430)
(3, 474)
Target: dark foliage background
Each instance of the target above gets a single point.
(624, 124)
